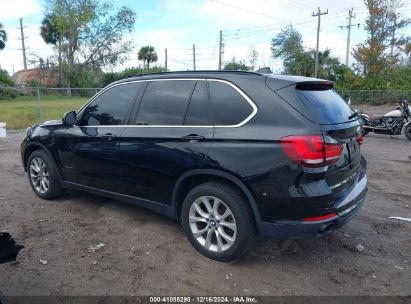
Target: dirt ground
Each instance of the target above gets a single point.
(147, 254)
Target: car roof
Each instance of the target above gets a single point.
(283, 80)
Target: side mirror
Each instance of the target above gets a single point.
(70, 118)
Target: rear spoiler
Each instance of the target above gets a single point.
(314, 85)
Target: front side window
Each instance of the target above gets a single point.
(230, 108)
(165, 102)
(112, 106)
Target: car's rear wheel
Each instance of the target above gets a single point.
(43, 176)
(407, 131)
(218, 221)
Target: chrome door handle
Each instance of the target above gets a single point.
(192, 137)
(108, 136)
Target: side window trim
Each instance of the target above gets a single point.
(136, 107)
(188, 104)
(138, 98)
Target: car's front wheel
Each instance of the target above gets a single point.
(218, 221)
(43, 176)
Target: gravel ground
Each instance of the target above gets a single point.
(147, 254)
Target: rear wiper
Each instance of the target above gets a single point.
(353, 115)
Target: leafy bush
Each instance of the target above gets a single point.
(234, 65)
(85, 76)
(35, 83)
(5, 79)
(6, 92)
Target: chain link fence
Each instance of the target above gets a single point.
(21, 107)
(375, 97)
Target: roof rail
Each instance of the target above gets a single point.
(195, 72)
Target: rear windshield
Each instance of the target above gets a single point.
(320, 106)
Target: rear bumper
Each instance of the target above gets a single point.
(304, 230)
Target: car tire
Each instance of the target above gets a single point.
(43, 177)
(407, 131)
(223, 231)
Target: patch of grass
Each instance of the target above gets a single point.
(24, 111)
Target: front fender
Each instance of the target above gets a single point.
(27, 147)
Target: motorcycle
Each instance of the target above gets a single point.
(391, 123)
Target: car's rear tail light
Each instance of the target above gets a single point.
(360, 139)
(319, 218)
(311, 150)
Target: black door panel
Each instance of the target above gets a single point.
(152, 159)
(89, 156)
(172, 134)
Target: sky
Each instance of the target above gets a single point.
(178, 24)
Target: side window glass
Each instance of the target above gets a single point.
(229, 107)
(198, 113)
(165, 102)
(112, 106)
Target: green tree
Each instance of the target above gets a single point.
(5, 82)
(3, 37)
(287, 45)
(88, 32)
(382, 25)
(303, 63)
(110, 77)
(51, 34)
(49, 30)
(234, 65)
(328, 66)
(5, 78)
(397, 40)
(252, 57)
(147, 54)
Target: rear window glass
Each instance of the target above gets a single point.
(230, 108)
(320, 106)
(326, 107)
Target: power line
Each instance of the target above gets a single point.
(246, 10)
(300, 21)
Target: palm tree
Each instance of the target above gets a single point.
(3, 37)
(327, 64)
(147, 54)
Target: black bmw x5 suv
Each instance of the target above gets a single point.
(230, 154)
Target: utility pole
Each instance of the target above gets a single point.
(220, 50)
(194, 57)
(318, 14)
(350, 16)
(165, 58)
(22, 44)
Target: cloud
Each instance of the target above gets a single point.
(19, 8)
(12, 55)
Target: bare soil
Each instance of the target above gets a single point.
(147, 254)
